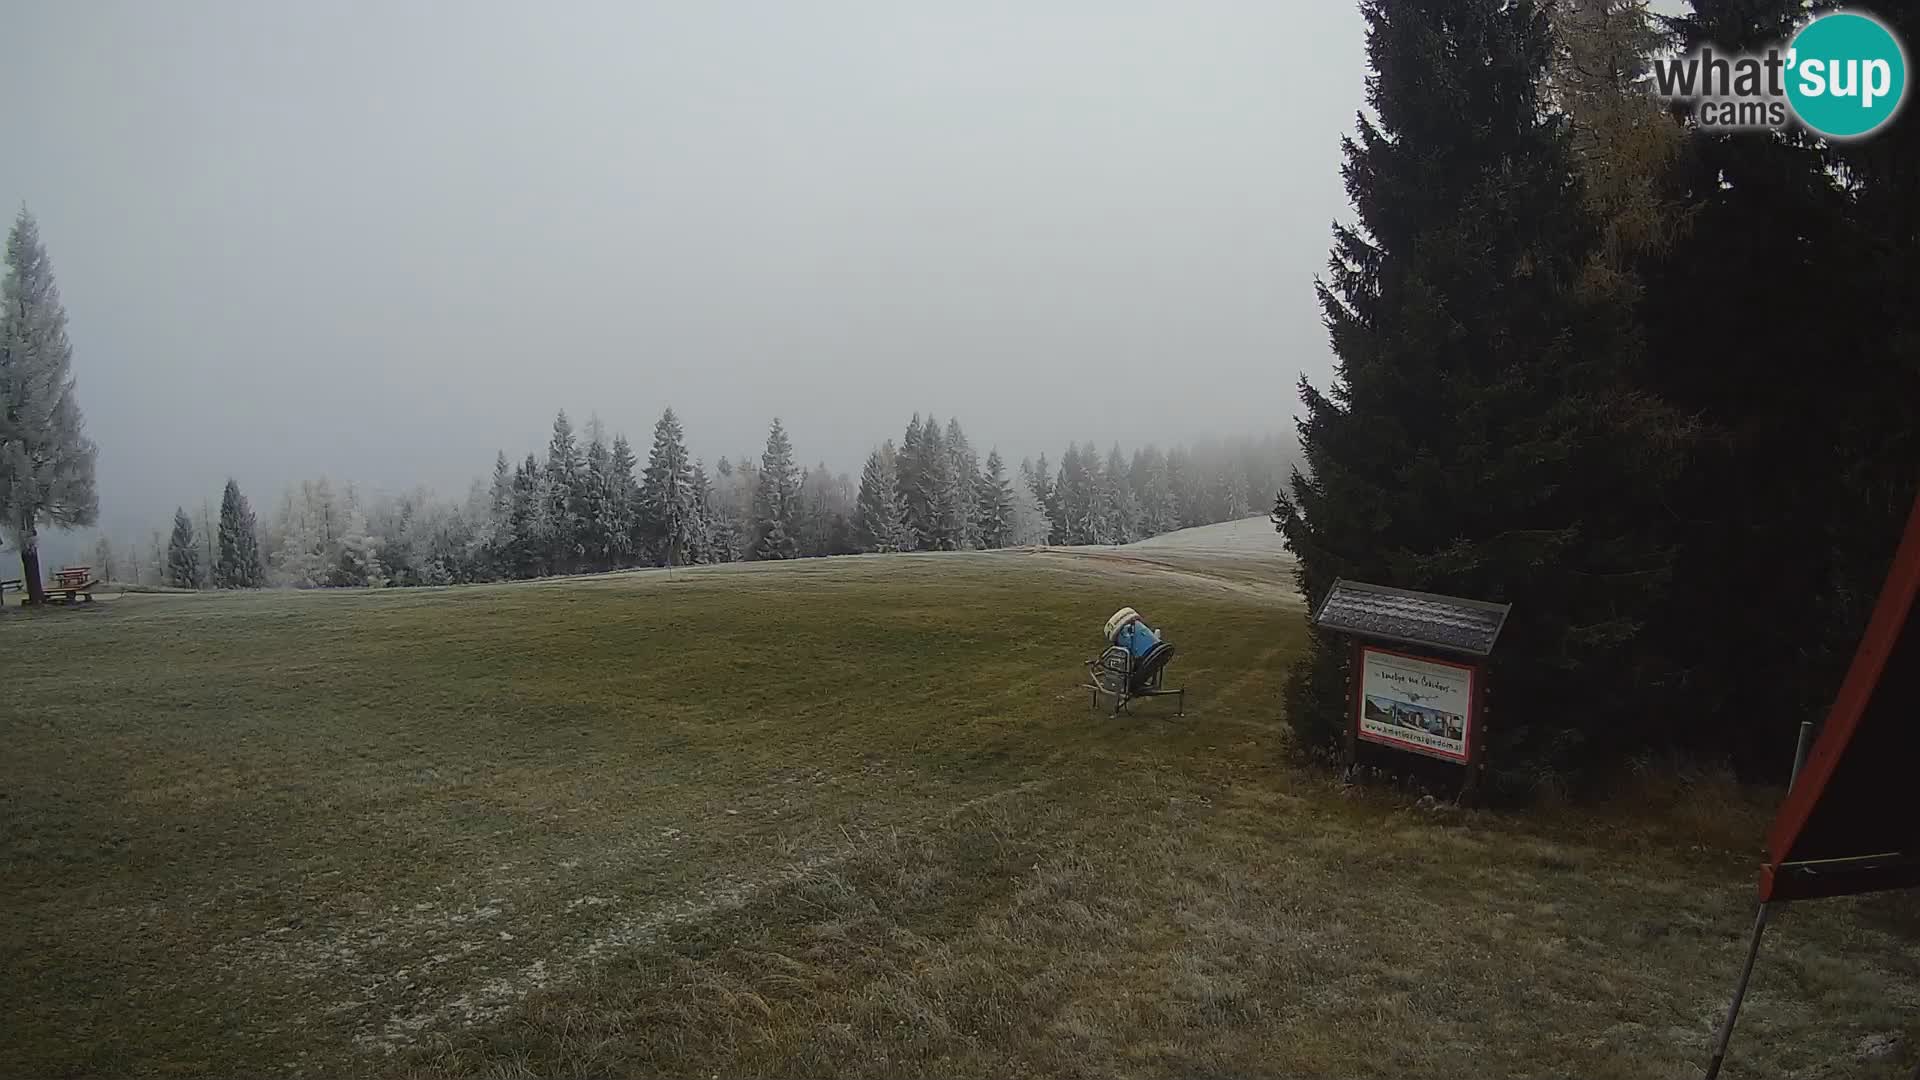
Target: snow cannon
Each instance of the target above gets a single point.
(1136, 656)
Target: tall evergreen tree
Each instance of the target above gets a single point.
(46, 459)
(1798, 490)
(1123, 510)
(623, 506)
(1040, 482)
(1482, 437)
(525, 521)
(964, 515)
(501, 542)
(562, 495)
(667, 497)
(1159, 513)
(773, 498)
(596, 505)
(996, 521)
(183, 555)
(882, 513)
(703, 546)
(237, 562)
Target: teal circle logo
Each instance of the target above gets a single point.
(1846, 74)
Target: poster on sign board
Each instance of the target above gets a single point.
(1415, 704)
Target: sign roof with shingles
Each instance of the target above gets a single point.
(1414, 618)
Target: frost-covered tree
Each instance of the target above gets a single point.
(1040, 484)
(823, 514)
(356, 561)
(773, 498)
(964, 515)
(304, 539)
(498, 539)
(562, 497)
(667, 498)
(529, 518)
(46, 459)
(996, 509)
(882, 515)
(1158, 512)
(913, 483)
(596, 505)
(1030, 523)
(623, 505)
(183, 554)
(702, 546)
(1122, 509)
(733, 488)
(236, 564)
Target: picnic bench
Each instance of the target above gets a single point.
(72, 585)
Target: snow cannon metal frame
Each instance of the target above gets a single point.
(1120, 674)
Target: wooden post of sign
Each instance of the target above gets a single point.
(1477, 748)
(1352, 724)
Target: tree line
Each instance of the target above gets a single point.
(1655, 384)
(590, 505)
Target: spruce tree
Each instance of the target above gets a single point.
(183, 555)
(1800, 484)
(996, 521)
(501, 542)
(563, 489)
(1482, 437)
(966, 478)
(596, 505)
(525, 555)
(46, 459)
(1158, 511)
(881, 513)
(236, 563)
(702, 546)
(1040, 483)
(667, 496)
(623, 504)
(1123, 510)
(773, 498)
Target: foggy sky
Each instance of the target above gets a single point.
(382, 241)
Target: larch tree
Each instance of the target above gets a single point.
(882, 516)
(668, 502)
(1482, 437)
(46, 459)
(773, 498)
(183, 554)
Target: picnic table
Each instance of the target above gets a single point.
(73, 584)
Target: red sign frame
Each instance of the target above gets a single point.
(1468, 736)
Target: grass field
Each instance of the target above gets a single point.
(836, 817)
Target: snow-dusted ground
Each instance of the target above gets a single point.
(1244, 557)
(1247, 537)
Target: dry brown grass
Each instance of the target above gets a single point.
(597, 828)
